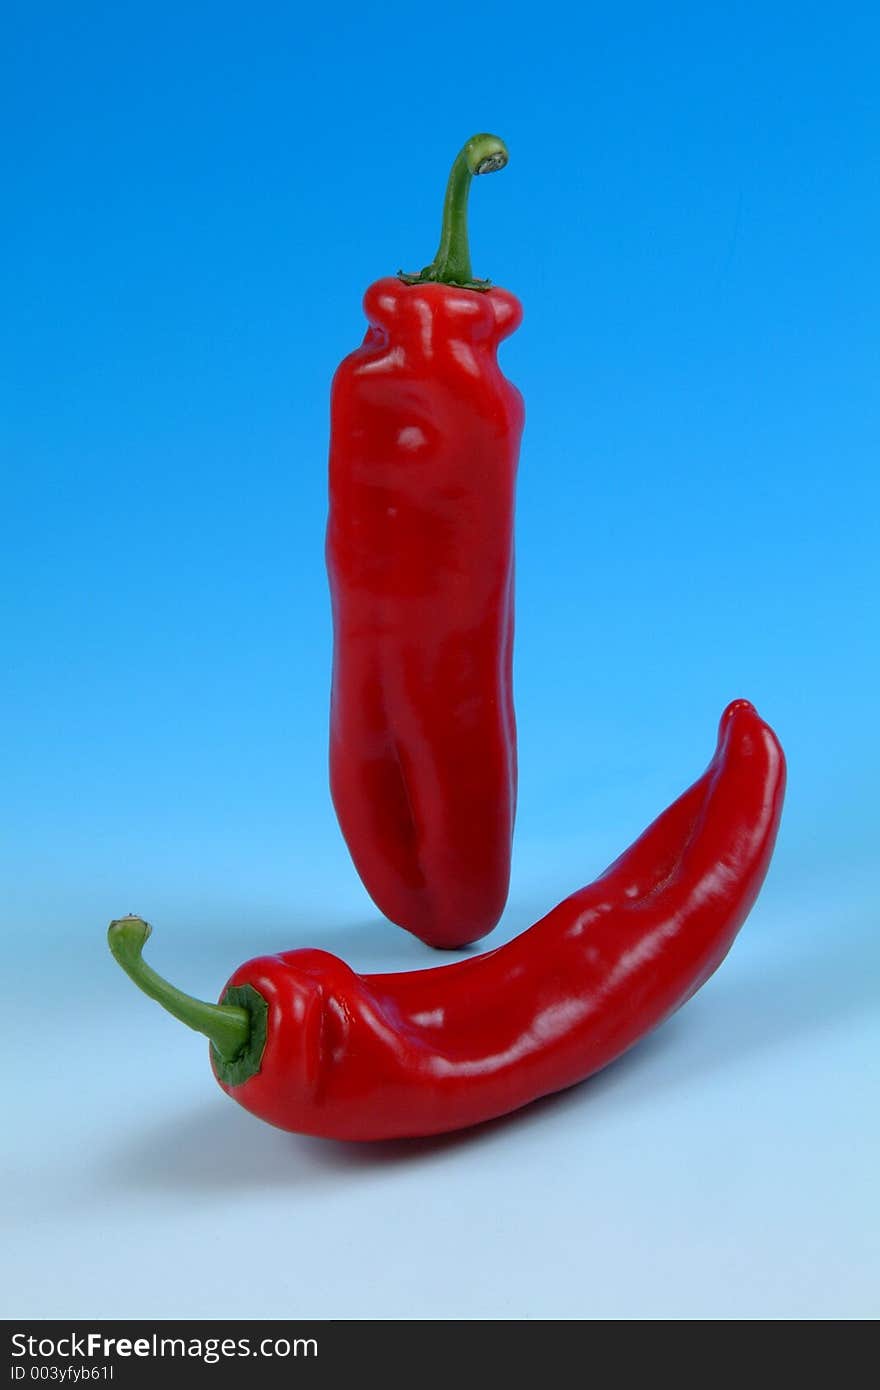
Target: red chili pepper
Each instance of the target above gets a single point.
(308, 1045)
(425, 436)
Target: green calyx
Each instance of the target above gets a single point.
(236, 1027)
(483, 154)
(236, 1070)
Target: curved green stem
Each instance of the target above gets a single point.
(482, 154)
(228, 1026)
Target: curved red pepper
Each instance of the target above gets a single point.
(385, 1056)
(423, 455)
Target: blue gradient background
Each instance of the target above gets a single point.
(196, 196)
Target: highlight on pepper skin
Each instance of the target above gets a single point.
(307, 1044)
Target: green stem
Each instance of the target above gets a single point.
(228, 1026)
(482, 154)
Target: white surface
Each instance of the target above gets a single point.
(725, 1169)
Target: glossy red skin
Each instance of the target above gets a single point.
(388, 1056)
(425, 435)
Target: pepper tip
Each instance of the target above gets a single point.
(737, 707)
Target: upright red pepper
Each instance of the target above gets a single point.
(305, 1043)
(425, 435)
